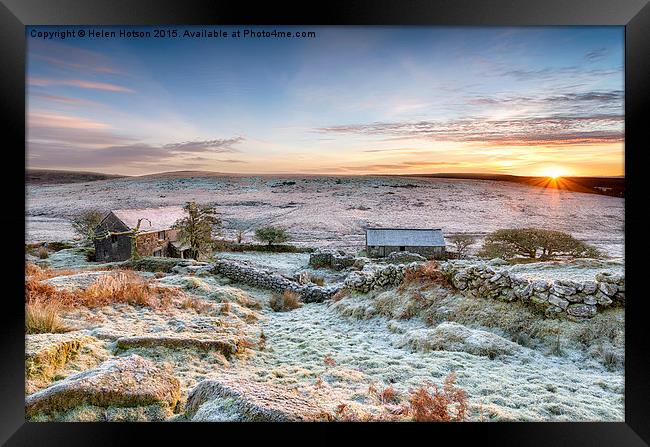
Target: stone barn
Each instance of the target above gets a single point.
(114, 235)
(428, 242)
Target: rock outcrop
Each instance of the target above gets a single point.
(45, 354)
(124, 382)
(232, 399)
(227, 346)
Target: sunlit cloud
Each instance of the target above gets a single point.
(45, 82)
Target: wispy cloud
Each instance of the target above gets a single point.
(596, 55)
(218, 145)
(552, 130)
(71, 58)
(56, 120)
(46, 82)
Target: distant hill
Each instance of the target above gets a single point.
(609, 186)
(50, 176)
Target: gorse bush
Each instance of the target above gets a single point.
(535, 243)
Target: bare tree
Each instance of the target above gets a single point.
(461, 243)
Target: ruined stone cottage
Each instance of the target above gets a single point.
(428, 242)
(150, 229)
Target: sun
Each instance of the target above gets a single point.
(554, 172)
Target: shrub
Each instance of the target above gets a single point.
(534, 243)
(42, 317)
(447, 405)
(271, 235)
(289, 300)
(38, 273)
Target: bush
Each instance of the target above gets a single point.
(289, 300)
(42, 317)
(534, 243)
(271, 235)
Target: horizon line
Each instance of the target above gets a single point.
(319, 174)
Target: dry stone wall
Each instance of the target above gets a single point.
(578, 299)
(266, 279)
(377, 278)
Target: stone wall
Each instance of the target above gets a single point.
(377, 278)
(266, 279)
(335, 260)
(578, 299)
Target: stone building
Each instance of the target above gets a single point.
(428, 242)
(115, 234)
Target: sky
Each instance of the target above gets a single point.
(352, 100)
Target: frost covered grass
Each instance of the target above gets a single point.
(525, 385)
(601, 338)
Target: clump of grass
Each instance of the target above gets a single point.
(43, 317)
(426, 275)
(318, 280)
(448, 404)
(342, 293)
(43, 253)
(289, 300)
(199, 305)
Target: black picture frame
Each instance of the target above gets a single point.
(633, 14)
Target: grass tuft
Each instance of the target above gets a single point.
(289, 300)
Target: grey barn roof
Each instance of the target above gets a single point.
(407, 237)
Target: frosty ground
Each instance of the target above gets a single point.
(333, 211)
(338, 353)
